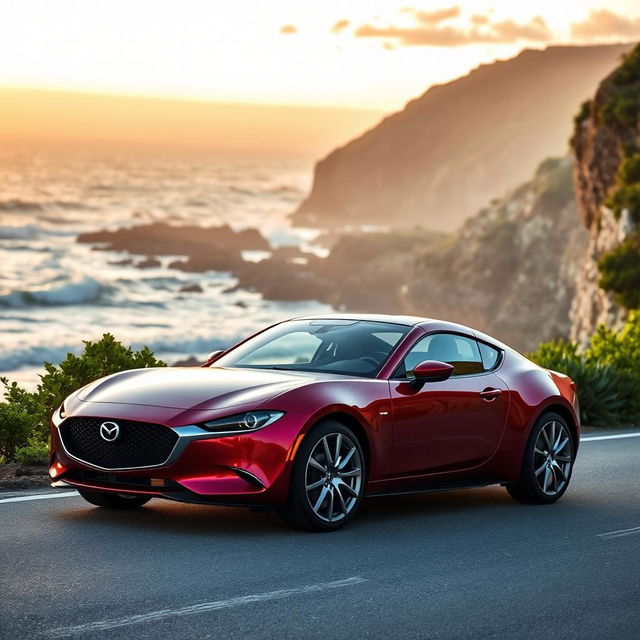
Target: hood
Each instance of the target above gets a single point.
(192, 387)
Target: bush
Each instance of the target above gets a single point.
(98, 359)
(620, 271)
(16, 425)
(607, 374)
(24, 415)
(36, 451)
(629, 171)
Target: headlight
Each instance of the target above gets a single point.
(62, 413)
(249, 421)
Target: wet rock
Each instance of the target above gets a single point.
(148, 263)
(191, 288)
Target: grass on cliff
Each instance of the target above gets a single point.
(24, 415)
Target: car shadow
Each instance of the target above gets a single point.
(426, 509)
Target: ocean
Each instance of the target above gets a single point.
(55, 293)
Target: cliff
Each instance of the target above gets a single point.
(510, 270)
(606, 145)
(460, 144)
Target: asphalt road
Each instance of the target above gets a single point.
(462, 564)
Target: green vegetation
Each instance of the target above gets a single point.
(607, 374)
(620, 272)
(24, 415)
(621, 107)
(625, 193)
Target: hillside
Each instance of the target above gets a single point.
(452, 150)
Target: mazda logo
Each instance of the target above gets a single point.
(109, 431)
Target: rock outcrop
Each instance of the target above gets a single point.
(607, 133)
(452, 150)
(216, 248)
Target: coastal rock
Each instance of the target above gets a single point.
(205, 248)
(150, 262)
(160, 238)
(191, 288)
(438, 161)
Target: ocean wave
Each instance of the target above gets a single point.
(17, 205)
(72, 291)
(19, 232)
(35, 355)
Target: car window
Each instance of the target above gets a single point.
(349, 347)
(463, 353)
(294, 348)
(490, 356)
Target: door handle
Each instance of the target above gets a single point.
(490, 394)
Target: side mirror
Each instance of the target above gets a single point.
(431, 371)
(214, 355)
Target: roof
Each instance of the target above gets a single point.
(428, 324)
(410, 321)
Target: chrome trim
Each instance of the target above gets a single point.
(186, 435)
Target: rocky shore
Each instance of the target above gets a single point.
(510, 270)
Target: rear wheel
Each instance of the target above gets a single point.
(113, 500)
(327, 481)
(548, 462)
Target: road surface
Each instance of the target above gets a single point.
(462, 564)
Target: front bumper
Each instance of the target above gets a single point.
(247, 469)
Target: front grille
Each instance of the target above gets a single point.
(139, 444)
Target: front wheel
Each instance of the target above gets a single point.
(113, 500)
(327, 480)
(548, 462)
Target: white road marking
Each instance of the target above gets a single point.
(40, 496)
(621, 533)
(203, 607)
(615, 436)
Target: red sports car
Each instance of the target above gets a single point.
(313, 414)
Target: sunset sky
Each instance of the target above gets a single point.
(373, 54)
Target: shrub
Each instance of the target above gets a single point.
(99, 359)
(16, 425)
(607, 374)
(629, 171)
(36, 451)
(620, 271)
(24, 415)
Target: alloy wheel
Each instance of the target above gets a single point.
(552, 458)
(333, 477)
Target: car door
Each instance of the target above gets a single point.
(452, 424)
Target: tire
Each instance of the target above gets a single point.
(548, 462)
(328, 479)
(114, 500)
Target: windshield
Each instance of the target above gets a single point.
(350, 347)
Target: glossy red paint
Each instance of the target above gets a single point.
(469, 429)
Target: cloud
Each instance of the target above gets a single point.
(436, 16)
(340, 26)
(438, 35)
(479, 19)
(606, 24)
(288, 29)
